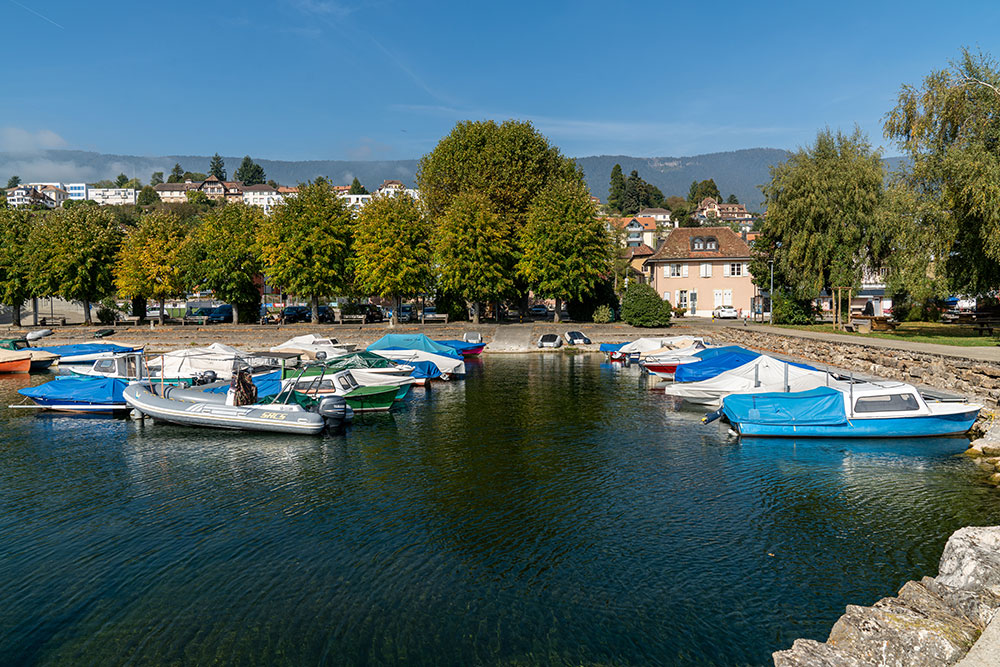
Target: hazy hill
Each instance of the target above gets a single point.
(737, 172)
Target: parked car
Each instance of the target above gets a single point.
(222, 314)
(199, 312)
(538, 310)
(576, 338)
(406, 313)
(549, 340)
(371, 312)
(293, 314)
(725, 313)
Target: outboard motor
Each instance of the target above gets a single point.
(334, 410)
(205, 377)
(321, 356)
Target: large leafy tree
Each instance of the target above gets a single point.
(176, 174)
(217, 167)
(147, 196)
(306, 242)
(473, 248)
(616, 193)
(221, 255)
(822, 209)
(249, 172)
(74, 251)
(701, 189)
(392, 249)
(356, 188)
(949, 128)
(121, 180)
(16, 265)
(565, 247)
(150, 259)
(156, 177)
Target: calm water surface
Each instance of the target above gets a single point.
(549, 509)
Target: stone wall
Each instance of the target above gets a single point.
(931, 622)
(978, 380)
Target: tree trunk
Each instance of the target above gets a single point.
(315, 309)
(34, 311)
(476, 305)
(236, 314)
(86, 312)
(556, 318)
(139, 306)
(394, 320)
(163, 314)
(15, 314)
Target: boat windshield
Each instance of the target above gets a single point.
(887, 403)
(104, 365)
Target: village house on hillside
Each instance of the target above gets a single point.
(702, 268)
(635, 231)
(710, 211)
(660, 215)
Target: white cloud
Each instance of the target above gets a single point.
(19, 140)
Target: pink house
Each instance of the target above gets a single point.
(702, 268)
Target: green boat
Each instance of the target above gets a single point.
(342, 383)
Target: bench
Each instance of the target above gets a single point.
(194, 319)
(51, 321)
(128, 319)
(352, 319)
(986, 326)
(434, 317)
(869, 323)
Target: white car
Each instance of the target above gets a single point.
(725, 313)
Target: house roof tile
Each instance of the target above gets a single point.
(678, 244)
(648, 223)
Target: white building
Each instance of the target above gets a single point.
(113, 196)
(263, 195)
(661, 216)
(28, 195)
(77, 191)
(356, 202)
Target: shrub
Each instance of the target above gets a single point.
(603, 294)
(641, 307)
(788, 310)
(603, 314)
(107, 311)
(679, 311)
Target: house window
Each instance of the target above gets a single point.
(711, 244)
(699, 243)
(736, 269)
(706, 270)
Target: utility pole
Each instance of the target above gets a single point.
(770, 297)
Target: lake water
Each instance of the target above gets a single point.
(549, 509)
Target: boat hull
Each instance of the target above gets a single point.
(902, 427)
(16, 366)
(63, 405)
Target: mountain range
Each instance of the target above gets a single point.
(739, 172)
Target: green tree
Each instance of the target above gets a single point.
(121, 181)
(306, 242)
(16, 265)
(149, 261)
(650, 196)
(147, 196)
(701, 190)
(13, 182)
(616, 193)
(74, 251)
(565, 246)
(641, 307)
(217, 167)
(731, 199)
(156, 177)
(176, 174)
(822, 205)
(392, 249)
(357, 188)
(133, 183)
(474, 251)
(198, 197)
(250, 173)
(221, 256)
(632, 201)
(949, 128)
(193, 176)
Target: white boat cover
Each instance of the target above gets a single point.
(216, 357)
(763, 374)
(672, 354)
(368, 379)
(646, 345)
(309, 345)
(444, 364)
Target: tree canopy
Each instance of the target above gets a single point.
(356, 188)
(616, 193)
(121, 180)
(305, 244)
(149, 262)
(147, 196)
(249, 172)
(156, 178)
(392, 249)
(13, 181)
(217, 167)
(176, 174)
(16, 265)
(702, 189)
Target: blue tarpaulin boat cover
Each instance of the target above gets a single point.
(709, 368)
(413, 342)
(78, 389)
(612, 347)
(820, 406)
(268, 384)
(459, 345)
(422, 369)
(710, 352)
(84, 348)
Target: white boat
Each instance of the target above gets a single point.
(763, 374)
(642, 347)
(447, 365)
(310, 345)
(217, 358)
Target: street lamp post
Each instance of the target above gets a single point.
(770, 296)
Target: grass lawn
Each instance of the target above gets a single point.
(918, 332)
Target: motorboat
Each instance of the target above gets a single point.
(287, 412)
(863, 410)
(761, 375)
(464, 348)
(73, 393)
(40, 359)
(134, 366)
(636, 349)
(193, 362)
(15, 361)
(549, 340)
(711, 362)
(371, 398)
(413, 349)
(312, 346)
(86, 353)
(576, 338)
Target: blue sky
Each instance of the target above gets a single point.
(385, 79)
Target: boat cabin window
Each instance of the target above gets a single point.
(346, 383)
(887, 403)
(21, 345)
(131, 367)
(104, 365)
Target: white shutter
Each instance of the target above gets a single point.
(666, 270)
(717, 297)
(727, 297)
(725, 269)
(684, 271)
(666, 296)
(746, 269)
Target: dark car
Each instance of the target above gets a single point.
(293, 314)
(539, 310)
(326, 314)
(372, 312)
(200, 312)
(405, 313)
(222, 314)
